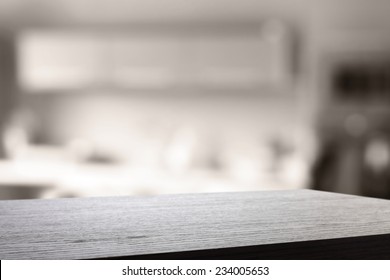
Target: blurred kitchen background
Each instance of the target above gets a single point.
(135, 97)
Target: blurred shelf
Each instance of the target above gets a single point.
(177, 91)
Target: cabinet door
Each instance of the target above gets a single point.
(146, 61)
(244, 61)
(60, 60)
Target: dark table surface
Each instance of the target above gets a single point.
(299, 224)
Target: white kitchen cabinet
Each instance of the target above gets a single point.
(145, 62)
(85, 60)
(60, 60)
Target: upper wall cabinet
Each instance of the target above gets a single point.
(149, 60)
(60, 60)
(145, 61)
(241, 61)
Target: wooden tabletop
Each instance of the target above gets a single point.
(300, 224)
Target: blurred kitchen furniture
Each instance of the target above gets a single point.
(353, 125)
(24, 181)
(188, 57)
(8, 87)
(300, 224)
(22, 191)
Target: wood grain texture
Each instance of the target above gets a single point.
(277, 224)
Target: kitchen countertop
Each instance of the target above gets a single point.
(271, 224)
